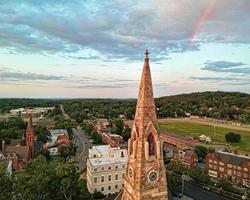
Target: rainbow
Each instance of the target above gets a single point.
(204, 15)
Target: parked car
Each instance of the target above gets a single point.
(179, 195)
(205, 187)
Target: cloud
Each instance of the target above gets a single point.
(226, 66)
(119, 29)
(8, 74)
(227, 80)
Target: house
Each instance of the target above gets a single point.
(113, 140)
(230, 166)
(187, 157)
(106, 169)
(59, 137)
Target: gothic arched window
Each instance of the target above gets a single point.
(151, 144)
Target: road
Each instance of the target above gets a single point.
(81, 140)
(197, 193)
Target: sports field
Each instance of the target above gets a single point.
(195, 129)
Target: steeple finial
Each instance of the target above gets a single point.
(146, 54)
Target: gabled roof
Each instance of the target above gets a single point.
(22, 151)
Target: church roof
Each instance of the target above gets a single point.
(145, 109)
(22, 151)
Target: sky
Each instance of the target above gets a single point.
(95, 49)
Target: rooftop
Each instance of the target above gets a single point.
(232, 158)
(106, 155)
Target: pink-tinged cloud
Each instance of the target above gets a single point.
(202, 19)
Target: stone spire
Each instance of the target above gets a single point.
(145, 177)
(145, 109)
(30, 136)
(30, 124)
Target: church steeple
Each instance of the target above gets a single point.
(145, 177)
(30, 136)
(145, 109)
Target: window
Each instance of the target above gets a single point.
(95, 179)
(221, 169)
(123, 166)
(123, 175)
(95, 190)
(245, 169)
(109, 187)
(109, 167)
(210, 161)
(116, 167)
(122, 154)
(102, 168)
(239, 168)
(229, 166)
(102, 189)
(95, 169)
(151, 144)
(102, 179)
(221, 163)
(116, 176)
(109, 177)
(116, 186)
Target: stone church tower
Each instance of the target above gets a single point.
(145, 177)
(30, 137)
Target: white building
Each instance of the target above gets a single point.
(204, 138)
(106, 169)
(52, 145)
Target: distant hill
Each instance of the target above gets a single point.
(220, 105)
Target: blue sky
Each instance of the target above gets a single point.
(96, 48)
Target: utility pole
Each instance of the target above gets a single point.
(214, 130)
(182, 186)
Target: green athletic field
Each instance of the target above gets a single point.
(194, 129)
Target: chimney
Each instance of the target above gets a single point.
(3, 146)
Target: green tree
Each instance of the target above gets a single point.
(42, 133)
(67, 151)
(67, 173)
(201, 151)
(6, 184)
(199, 176)
(232, 137)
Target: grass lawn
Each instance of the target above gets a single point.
(188, 128)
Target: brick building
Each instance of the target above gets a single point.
(20, 151)
(188, 157)
(230, 166)
(113, 140)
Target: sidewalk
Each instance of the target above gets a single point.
(184, 197)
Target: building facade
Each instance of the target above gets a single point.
(230, 166)
(145, 177)
(20, 151)
(187, 157)
(106, 169)
(113, 140)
